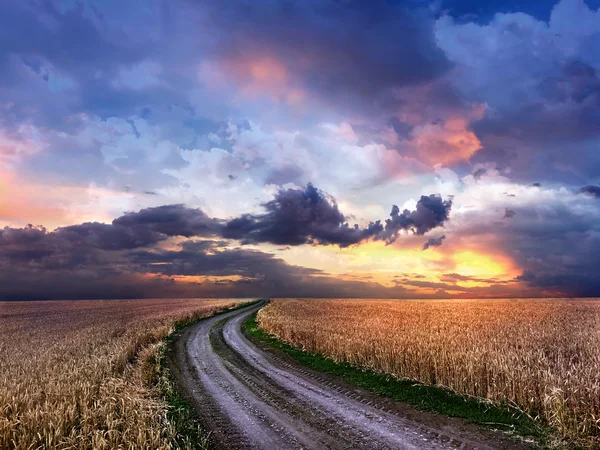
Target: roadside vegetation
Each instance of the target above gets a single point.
(90, 374)
(525, 366)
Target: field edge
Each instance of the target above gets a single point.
(435, 399)
(180, 413)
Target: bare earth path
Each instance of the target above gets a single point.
(250, 398)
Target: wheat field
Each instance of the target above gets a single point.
(542, 355)
(77, 374)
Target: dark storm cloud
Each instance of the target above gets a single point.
(544, 129)
(206, 258)
(570, 284)
(91, 284)
(94, 242)
(591, 190)
(84, 262)
(67, 64)
(578, 82)
(111, 237)
(556, 244)
(91, 254)
(50, 31)
(132, 230)
(43, 274)
(309, 216)
(299, 216)
(293, 217)
(36, 249)
(171, 220)
(434, 242)
(24, 243)
(338, 50)
(431, 212)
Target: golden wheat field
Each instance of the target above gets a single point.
(75, 374)
(542, 355)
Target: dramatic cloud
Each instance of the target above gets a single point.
(320, 47)
(539, 79)
(209, 259)
(35, 263)
(170, 220)
(297, 217)
(554, 237)
(594, 191)
(431, 212)
(157, 167)
(434, 242)
(110, 237)
(309, 216)
(130, 244)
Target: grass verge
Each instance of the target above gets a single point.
(423, 397)
(190, 434)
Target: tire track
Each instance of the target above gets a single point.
(252, 399)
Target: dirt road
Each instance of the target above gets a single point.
(251, 398)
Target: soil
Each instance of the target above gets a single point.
(251, 397)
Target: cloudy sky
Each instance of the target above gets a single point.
(317, 148)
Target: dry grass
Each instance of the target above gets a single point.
(541, 355)
(76, 374)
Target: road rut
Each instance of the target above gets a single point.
(251, 398)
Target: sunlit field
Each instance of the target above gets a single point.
(77, 374)
(541, 355)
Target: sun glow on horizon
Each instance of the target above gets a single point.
(405, 263)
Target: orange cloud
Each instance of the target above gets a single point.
(255, 77)
(54, 205)
(23, 204)
(445, 143)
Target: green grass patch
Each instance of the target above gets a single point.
(423, 397)
(190, 434)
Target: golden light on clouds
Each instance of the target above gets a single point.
(483, 265)
(206, 279)
(368, 257)
(391, 265)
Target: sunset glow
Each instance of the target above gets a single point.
(264, 151)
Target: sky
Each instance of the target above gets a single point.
(323, 148)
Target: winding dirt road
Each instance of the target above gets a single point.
(251, 398)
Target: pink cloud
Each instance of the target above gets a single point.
(447, 141)
(15, 145)
(23, 201)
(254, 76)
